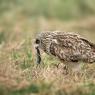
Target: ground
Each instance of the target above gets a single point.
(19, 73)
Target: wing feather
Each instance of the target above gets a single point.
(88, 42)
(70, 47)
(62, 46)
(67, 40)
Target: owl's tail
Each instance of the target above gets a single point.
(93, 47)
(90, 43)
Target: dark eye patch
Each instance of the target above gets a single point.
(37, 41)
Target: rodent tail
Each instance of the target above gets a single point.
(38, 55)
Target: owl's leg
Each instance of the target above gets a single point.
(63, 68)
(57, 65)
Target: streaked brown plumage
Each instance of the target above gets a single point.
(68, 47)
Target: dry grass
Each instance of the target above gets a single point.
(19, 75)
(20, 21)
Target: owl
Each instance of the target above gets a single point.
(65, 46)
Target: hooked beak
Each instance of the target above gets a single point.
(38, 55)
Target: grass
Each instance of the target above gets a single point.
(20, 21)
(61, 9)
(20, 75)
(47, 89)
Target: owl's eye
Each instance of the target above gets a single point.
(37, 41)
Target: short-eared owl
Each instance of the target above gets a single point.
(68, 47)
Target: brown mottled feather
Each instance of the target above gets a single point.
(67, 47)
(91, 44)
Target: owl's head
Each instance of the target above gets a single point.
(41, 42)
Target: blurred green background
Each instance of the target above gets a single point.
(20, 22)
(41, 15)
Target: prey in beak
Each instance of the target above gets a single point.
(38, 55)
